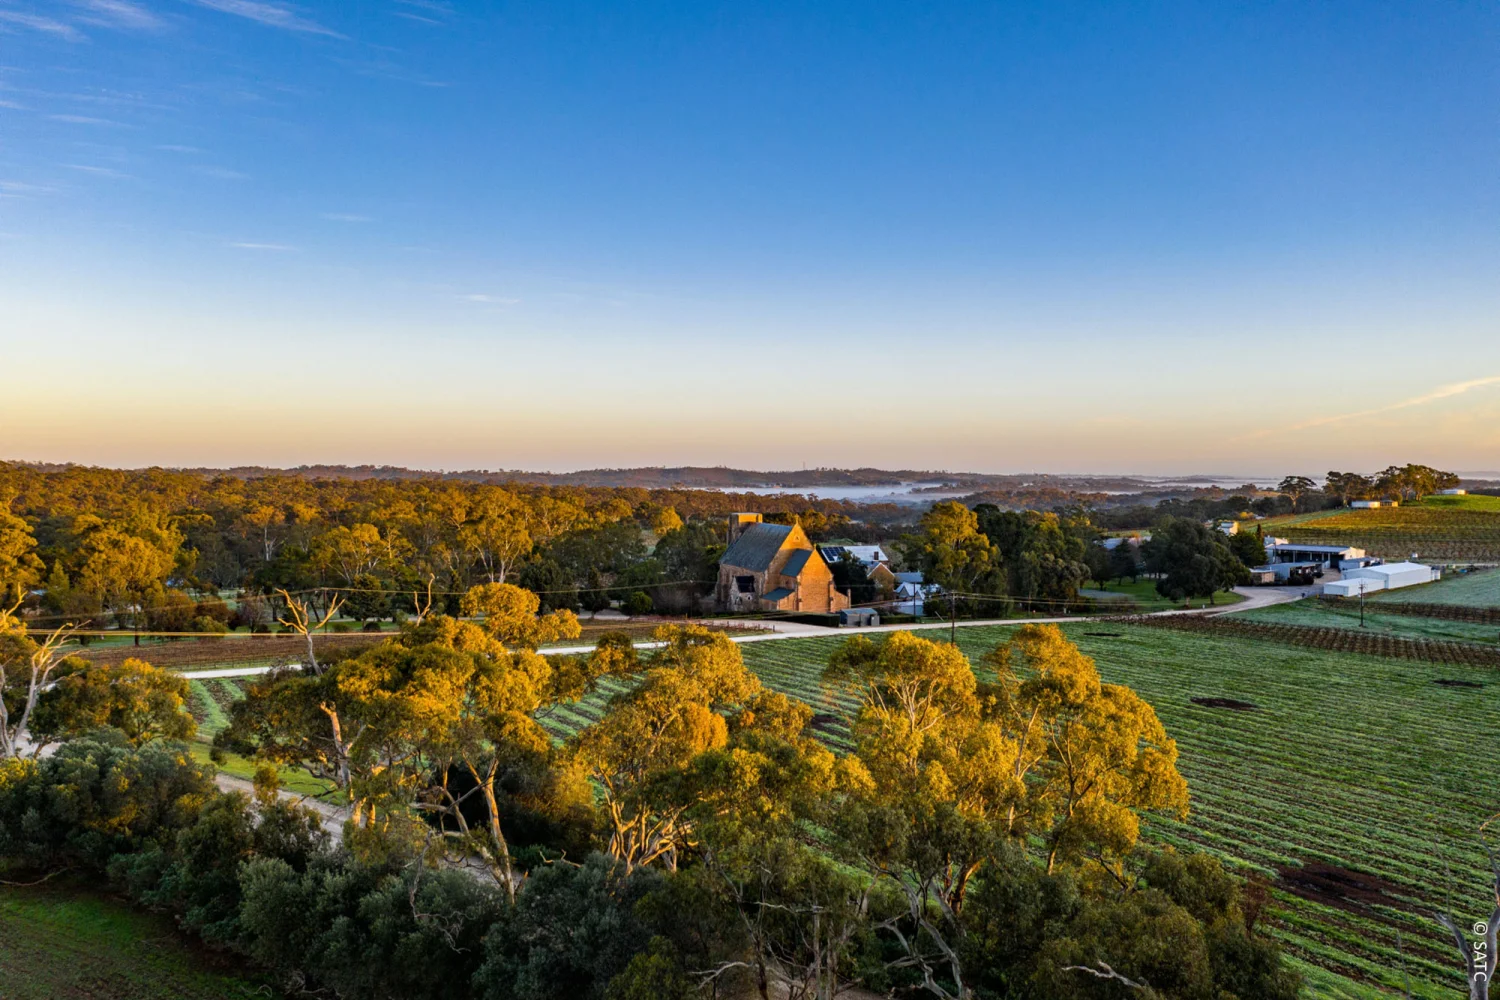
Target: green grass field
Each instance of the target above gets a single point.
(60, 942)
(1143, 593)
(1456, 529)
(1475, 589)
(1314, 611)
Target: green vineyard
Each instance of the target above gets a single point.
(1447, 529)
(1347, 768)
(1347, 780)
(1367, 641)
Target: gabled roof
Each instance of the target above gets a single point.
(1391, 569)
(795, 563)
(909, 577)
(779, 594)
(756, 546)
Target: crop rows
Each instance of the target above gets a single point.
(1350, 761)
(1357, 762)
(1373, 618)
(1457, 534)
(1472, 588)
(1336, 640)
(265, 650)
(242, 650)
(1447, 612)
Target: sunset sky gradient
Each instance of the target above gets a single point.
(997, 237)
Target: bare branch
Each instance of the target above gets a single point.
(1103, 971)
(423, 608)
(49, 875)
(40, 663)
(299, 620)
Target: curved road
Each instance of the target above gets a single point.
(1255, 597)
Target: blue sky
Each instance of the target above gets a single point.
(1161, 237)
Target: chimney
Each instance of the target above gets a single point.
(739, 521)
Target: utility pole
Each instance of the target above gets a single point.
(952, 620)
(1361, 604)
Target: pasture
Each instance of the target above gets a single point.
(59, 942)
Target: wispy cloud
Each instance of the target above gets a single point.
(276, 247)
(43, 24)
(221, 173)
(489, 300)
(273, 15)
(85, 120)
(1441, 392)
(171, 148)
(345, 217)
(426, 11)
(22, 188)
(385, 69)
(96, 171)
(118, 14)
(12, 105)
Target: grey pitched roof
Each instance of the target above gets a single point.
(779, 594)
(909, 577)
(832, 553)
(795, 562)
(756, 546)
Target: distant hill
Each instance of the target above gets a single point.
(725, 478)
(716, 477)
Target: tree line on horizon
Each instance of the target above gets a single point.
(152, 550)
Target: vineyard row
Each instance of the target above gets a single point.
(1335, 640)
(1447, 612)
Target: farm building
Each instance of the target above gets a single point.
(1332, 556)
(1373, 504)
(1453, 493)
(1386, 576)
(858, 616)
(1294, 573)
(1351, 587)
(872, 557)
(774, 567)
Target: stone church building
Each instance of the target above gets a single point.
(774, 567)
